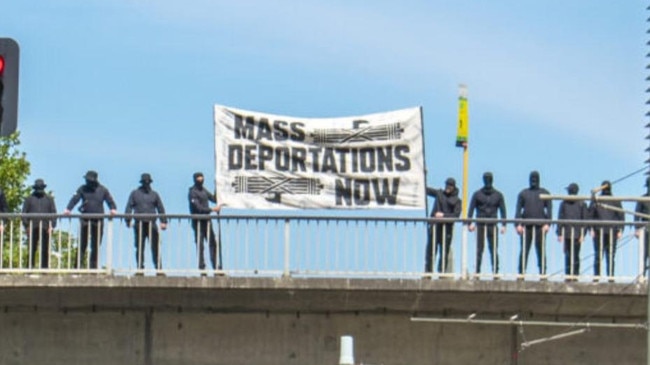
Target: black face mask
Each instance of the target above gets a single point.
(39, 192)
(146, 186)
(534, 181)
(198, 184)
(487, 181)
(92, 183)
(449, 190)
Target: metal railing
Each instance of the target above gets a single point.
(323, 246)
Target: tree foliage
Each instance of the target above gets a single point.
(64, 249)
(14, 170)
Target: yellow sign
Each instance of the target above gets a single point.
(462, 136)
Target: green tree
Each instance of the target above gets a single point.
(63, 251)
(14, 169)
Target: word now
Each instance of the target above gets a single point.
(363, 191)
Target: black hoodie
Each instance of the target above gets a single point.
(447, 203)
(572, 210)
(530, 206)
(487, 202)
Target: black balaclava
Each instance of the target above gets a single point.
(534, 180)
(488, 179)
(197, 183)
(607, 190)
(91, 179)
(145, 182)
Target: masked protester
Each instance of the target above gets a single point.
(571, 235)
(92, 195)
(643, 213)
(530, 206)
(488, 202)
(606, 236)
(144, 200)
(447, 205)
(199, 199)
(39, 228)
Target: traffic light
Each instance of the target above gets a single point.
(9, 58)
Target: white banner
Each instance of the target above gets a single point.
(266, 161)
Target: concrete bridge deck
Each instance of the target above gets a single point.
(103, 319)
(607, 301)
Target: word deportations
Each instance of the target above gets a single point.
(319, 159)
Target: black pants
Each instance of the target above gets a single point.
(203, 231)
(39, 236)
(604, 244)
(92, 231)
(530, 234)
(442, 233)
(489, 232)
(572, 255)
(143, 230)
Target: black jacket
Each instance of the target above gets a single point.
(92, 199)
(487, 203)
(39, 204)
(642, 208)
(599, 212)
(145, 201)
(199, 199)
(572, 210)
(530, 206)
(448, 204)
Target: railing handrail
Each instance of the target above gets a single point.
(294, 244)
(297, 217)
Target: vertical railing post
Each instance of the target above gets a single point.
(287, 247)
(11, 245)
(109, 247)
(464, 273)
(642, 234)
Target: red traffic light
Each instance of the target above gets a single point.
(9, 62)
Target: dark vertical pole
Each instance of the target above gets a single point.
(148, 337)
(514, 344)
(424, 162)
(426, 199)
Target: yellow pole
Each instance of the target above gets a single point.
(462, 140)
(465, 178)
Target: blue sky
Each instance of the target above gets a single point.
(125, 87)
